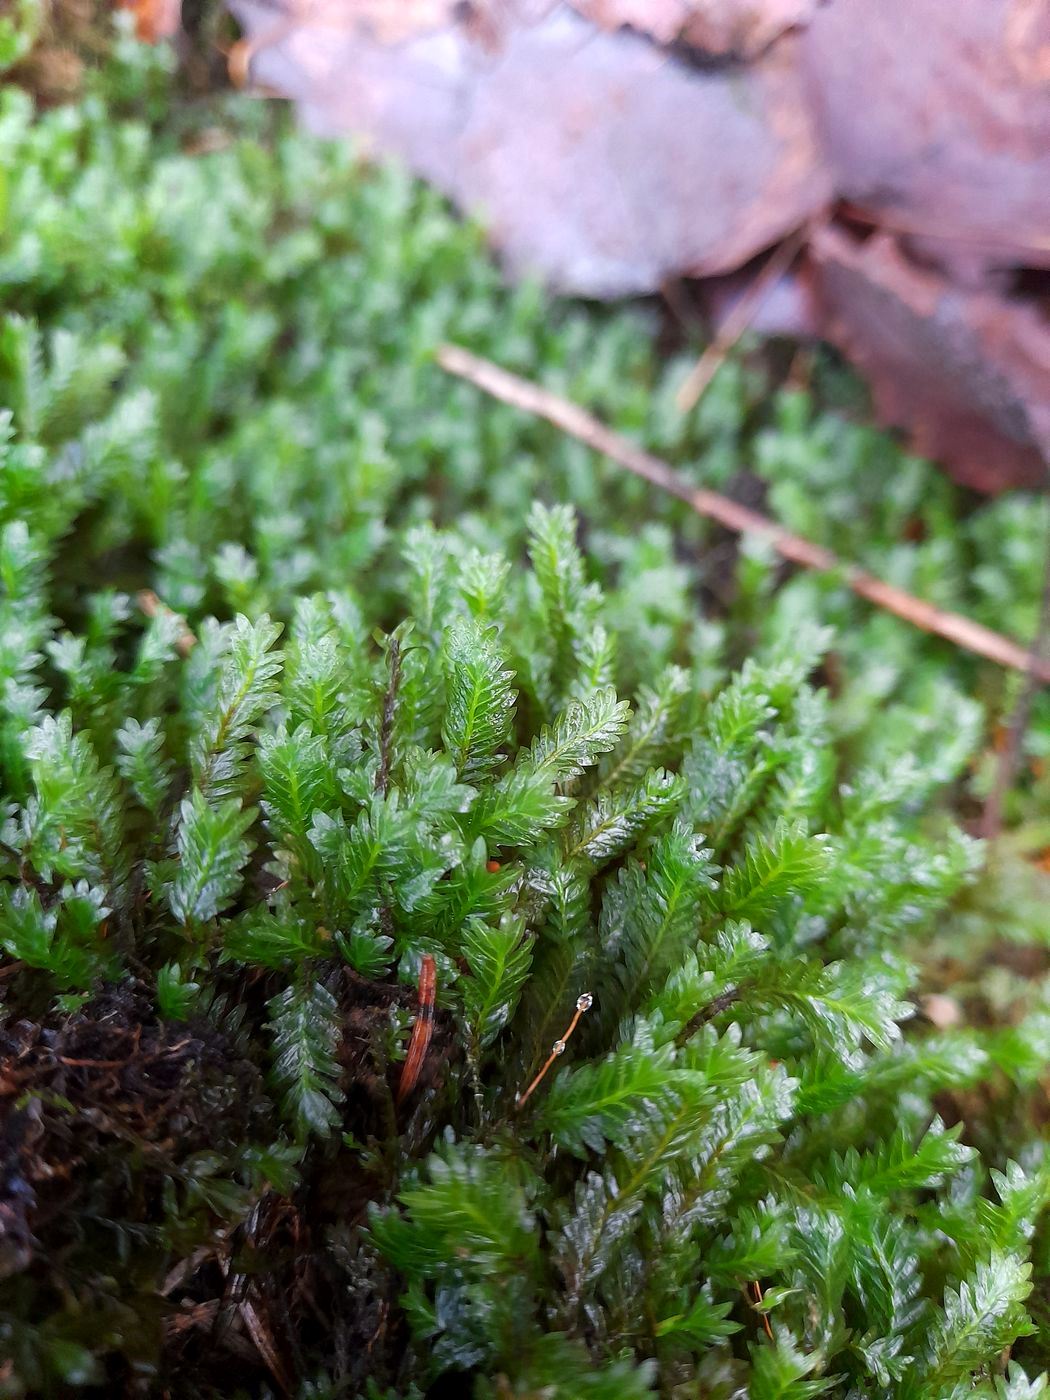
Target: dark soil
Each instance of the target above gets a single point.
(117, 1132)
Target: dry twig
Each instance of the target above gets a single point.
(583, 1004)
(759, 1300)
(423, 1029)
(151, 605)
(736, 323)
(571, 419)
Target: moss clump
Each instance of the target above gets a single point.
(274, 747)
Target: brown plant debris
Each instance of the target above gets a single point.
(583, 150)
(742, 28)
(966, 372)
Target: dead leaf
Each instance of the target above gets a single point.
(743, 28)
(1027, 36)
(936, 118)
(593, 158)
(966, 373)
(391, 21)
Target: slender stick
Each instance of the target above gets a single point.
(714, 1008)
(151, 605)
(572, 419)
(423, 1029)
(695, 383)
(760, 1298)
(583, 1004)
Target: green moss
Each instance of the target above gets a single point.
(403, 716)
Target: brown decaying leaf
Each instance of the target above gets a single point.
(937, 116)
(742, 28)
(966, 373)
(388, 21)
(592, 157)
(934, 117)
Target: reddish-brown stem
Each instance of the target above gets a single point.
(583, 1003)
(422, 1030)
(758, 1299)
(151, 605)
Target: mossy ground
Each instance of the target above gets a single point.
(222, 863)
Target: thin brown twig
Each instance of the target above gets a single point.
(759, 1300)
(571, 419)
(152, 606)
(736, 323)
(714, 1008)
(258, 1328)
(583, 1003)
(423, 1029)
